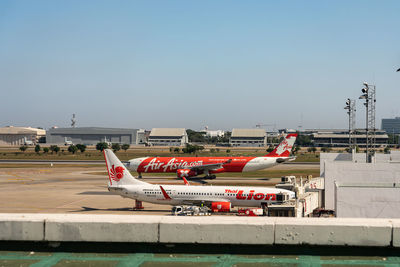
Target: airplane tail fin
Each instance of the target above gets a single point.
(285, 147)
(117, 173)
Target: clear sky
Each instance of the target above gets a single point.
(225, 64)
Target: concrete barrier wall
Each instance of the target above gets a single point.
(99, 228)
(207, 230)
(218, 230)
(21, 227)
(333, 231)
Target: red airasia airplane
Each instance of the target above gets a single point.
(194, 166)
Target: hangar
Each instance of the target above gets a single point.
(91, 135)
(168, 137)
(248, 137)
(17, 136)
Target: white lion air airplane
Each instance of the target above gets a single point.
(193, 166)
(219, 198)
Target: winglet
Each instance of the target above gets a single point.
(166, 196)
(185, 181)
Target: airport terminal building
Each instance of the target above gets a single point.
(340, 138)
(248, 138)
(391, 126)
(168, 137)
(17, 136)
(91, 135)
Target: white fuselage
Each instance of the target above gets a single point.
(181, 194)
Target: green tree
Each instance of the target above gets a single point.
(37, 149)
(270, 149)
(296, 149)
(81, 148)
(46, 150)
(54, 148)
(386, 150)
(303, 140)
(176, 150)
(212, 150)
(116, 147)
(312, 149)
(101, 146)
(192, 148)
(326, 149)
(198, 137)
(23, 148)
(72, 149)
(228, 151)
(125, 147)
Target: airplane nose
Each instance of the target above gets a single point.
(134, 164)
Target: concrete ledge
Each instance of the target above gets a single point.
(217, 230)
(333, 232)
(102, 228)
(204, 230)
(21, 227)
(396, 232)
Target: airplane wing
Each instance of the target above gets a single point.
(210, 167)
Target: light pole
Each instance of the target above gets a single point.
(351, 107)
(370, 100)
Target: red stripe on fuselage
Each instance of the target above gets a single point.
(171, 164)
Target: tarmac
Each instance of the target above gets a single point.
(82, 190)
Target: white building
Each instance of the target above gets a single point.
(248, 137)
(213, 133)
(16, 136)
(141, 137)
(354, 188)
(168, 137)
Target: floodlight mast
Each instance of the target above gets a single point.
(351, 107)
(370, 100)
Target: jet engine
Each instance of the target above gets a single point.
(185, 173)
(220, 206)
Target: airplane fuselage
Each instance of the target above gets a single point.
(228, 164)
(180, 194)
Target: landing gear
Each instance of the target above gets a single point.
(138, 205)
(264, 206)
(139, 175)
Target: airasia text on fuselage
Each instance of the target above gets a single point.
(172, 165)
